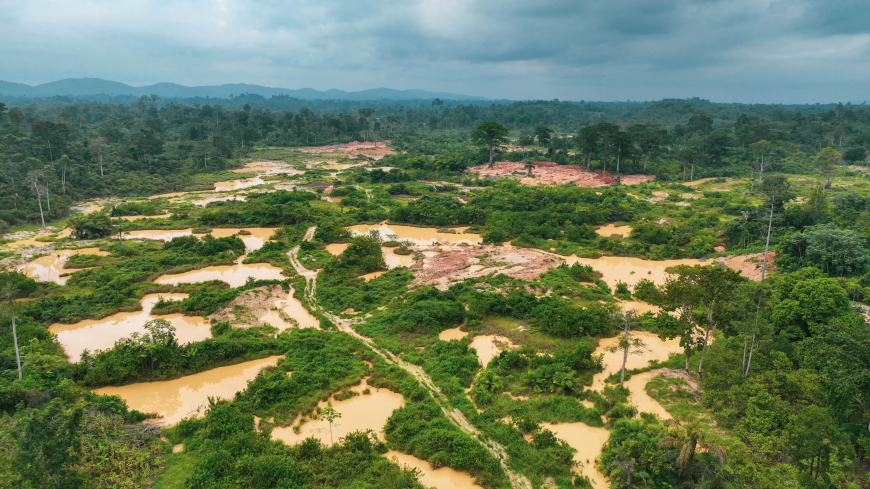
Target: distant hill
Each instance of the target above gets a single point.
(78, 87)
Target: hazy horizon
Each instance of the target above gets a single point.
(745, 51)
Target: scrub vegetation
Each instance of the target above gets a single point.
(764, 210)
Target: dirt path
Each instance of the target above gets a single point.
(455, 416)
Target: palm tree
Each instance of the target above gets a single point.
(684, 441)
(530, 165)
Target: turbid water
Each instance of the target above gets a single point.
(489, 347)
(230, 185)
(371, 276)
(609, 230)
(656, 349)
(440, 478)
(48, 268)
(418, 236)
(630, 270)
(588, 441)
(452, 334)
(101, 334)
(390, 257)
(234, 275)
(359, 413)
(136, 218)
(188, 396)
(253, 241)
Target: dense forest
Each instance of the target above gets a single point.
(769, 386)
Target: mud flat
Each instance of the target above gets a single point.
(231, 185)
(440, 478)
(49, 268)
(187, 396)
(359, 413)
(266, 305)
(750, 265)
(101, 334)
(234, 275)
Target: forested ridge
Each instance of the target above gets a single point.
(768, 377)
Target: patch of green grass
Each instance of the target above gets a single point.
(175, 471)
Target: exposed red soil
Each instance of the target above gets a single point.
(547, 172)
(375, 151)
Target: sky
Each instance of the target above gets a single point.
(756, 51)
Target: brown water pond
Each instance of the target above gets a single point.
(440, 478)
(101, 334)
(359, 413)
(630, 270)
(390, 257)
(48, 268)
(609, 230)
(588, 441)
(656, 349)
(452, 334)
(136, 218)
(188, 396)
(290, 307)
(253, 241)
(489, 347)
(234, 275)
(230, 185)
(418, 236)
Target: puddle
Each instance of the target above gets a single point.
(588, 441)
(238, 184)
(136, 218)
(656, 349)
(609, 230)
(101, 334)
(487, 349)
(441, 478)
(188, 396)
(49, 268)
(639, 307)
(452, 334)
(418, 236)
(630, 270)
(234, 275)
(359, 413)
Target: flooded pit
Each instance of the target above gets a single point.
(177, 399)
(440, 478)
(390, 257)
(489, 347)
(656, 349)
(588, 441)
(418, 236)
(371, 276)
(639, 397)
(101, 334)
(630, 270)
(359, 413)
(234, 275)
(452, 334)
(253, 241)
(49, 268)
(204, 201)
(337, 248)
(292, 308)
(157, 234)
(609, 230)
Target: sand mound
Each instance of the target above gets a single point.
(750, 265)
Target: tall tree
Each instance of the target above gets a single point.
(543, 134)
(827, 162)
(761, 149)
(33, 181)
(97, 147)
(628, 344)
(490, 136)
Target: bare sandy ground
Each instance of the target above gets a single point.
(368, 149)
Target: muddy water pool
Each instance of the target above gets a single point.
(253, 241)
(630, 270)
(230, 185)
(101, 334)
(418, 236)
(359, 413)
(390, 257)
(489, 347)
(292, 308)
(188, 396)
(234, 275)
(588, 441)
(452, 334)
(49, 268)
(440, 478)
(609, 230)
(656, 349)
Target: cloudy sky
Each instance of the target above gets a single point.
(728, 51)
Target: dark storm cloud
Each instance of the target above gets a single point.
(737, 50)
